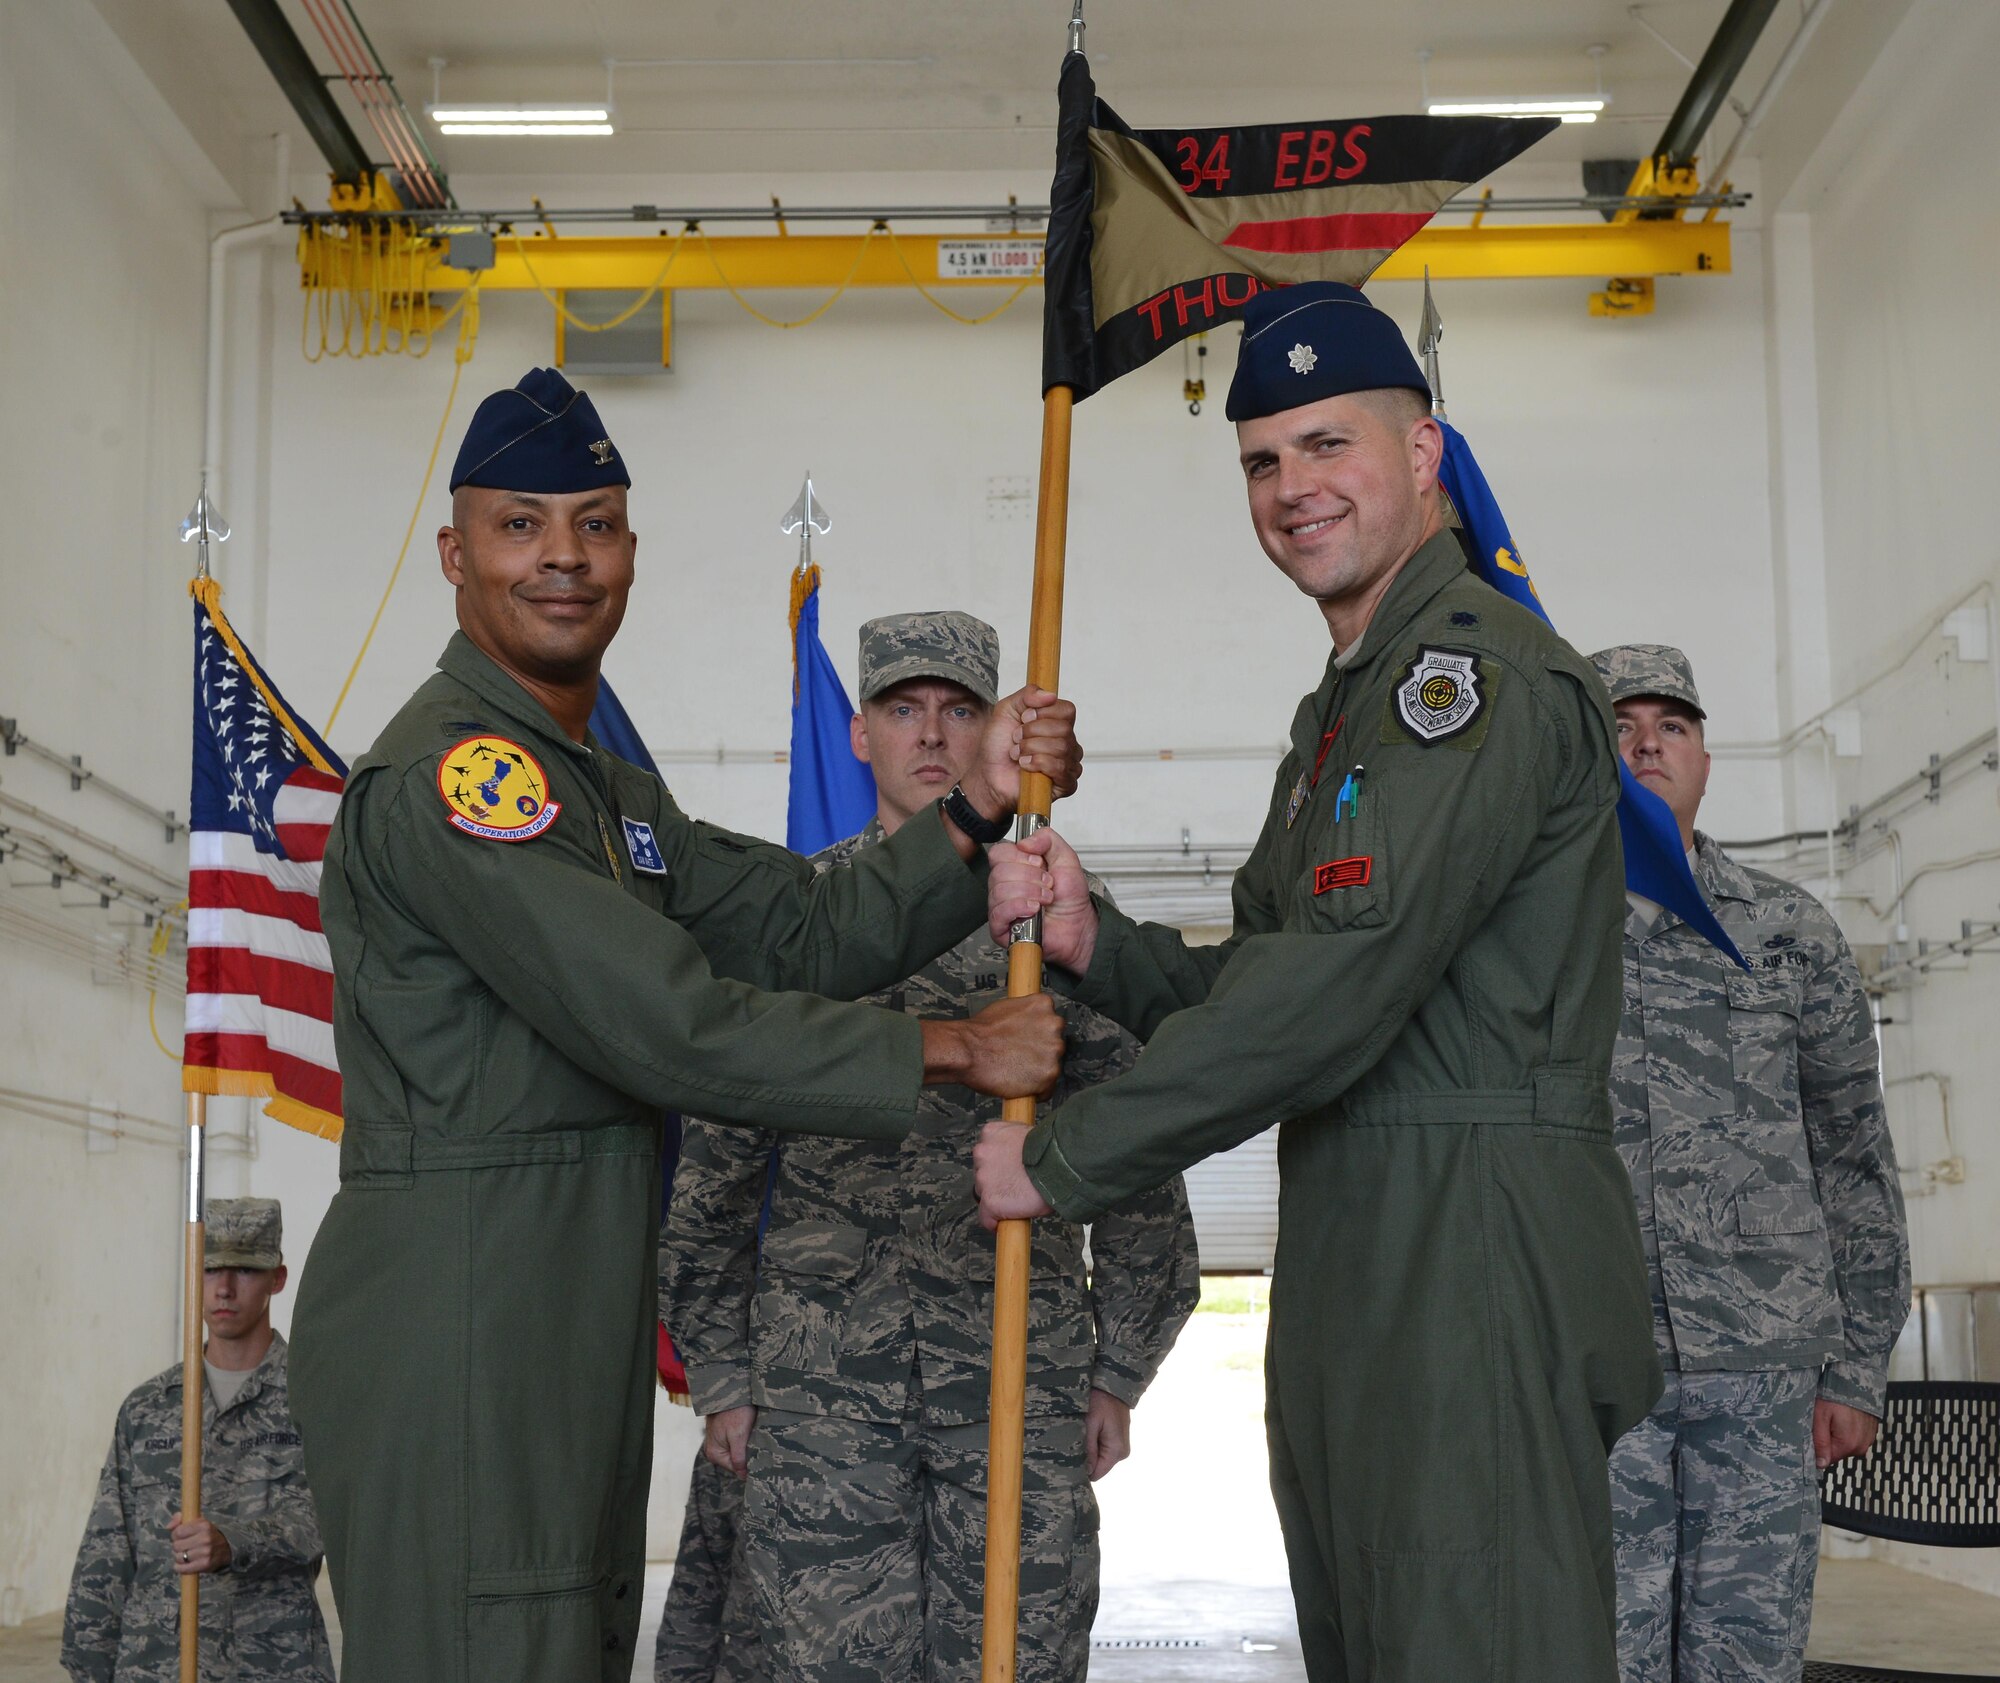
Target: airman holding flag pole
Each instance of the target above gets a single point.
(1155, 235)
(535, 953)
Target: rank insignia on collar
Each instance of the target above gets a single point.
(645, 850)
(1300, 790)
(495, 789)
(1441, 697)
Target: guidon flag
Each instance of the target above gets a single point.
(260, 976)
(1155, 234)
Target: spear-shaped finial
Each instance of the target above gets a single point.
(204, 524)
(1076, 27)
(806, 516)
(1428, 335)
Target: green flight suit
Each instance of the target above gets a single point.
(1423, 988)
(474, 1343)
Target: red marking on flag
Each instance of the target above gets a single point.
(277, 981)
(244, 891)
(296, 1078)
(1343, 873)
(1356, 231)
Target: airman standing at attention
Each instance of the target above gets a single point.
(256, 1543)
(1748, 1108)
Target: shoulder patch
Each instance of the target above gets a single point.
(495, 789)
(1443, 695)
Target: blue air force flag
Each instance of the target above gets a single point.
(1655, 862)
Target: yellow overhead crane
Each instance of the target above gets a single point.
(366, 247)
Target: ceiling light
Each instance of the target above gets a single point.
(525, 128)
(1569, 110)
(521, 119)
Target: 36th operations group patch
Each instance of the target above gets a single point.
(495, 789)
(1442, 697)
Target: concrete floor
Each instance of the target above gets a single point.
(1194, 1572)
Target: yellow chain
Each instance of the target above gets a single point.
(467, 309)
(623, 316)
(942, 307)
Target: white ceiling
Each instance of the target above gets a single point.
(980, 94)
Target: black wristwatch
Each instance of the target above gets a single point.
(968, 818)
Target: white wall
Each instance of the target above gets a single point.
(102, 263)
(1901, 235)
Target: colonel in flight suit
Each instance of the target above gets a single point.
(1422, 988)
(535, 952)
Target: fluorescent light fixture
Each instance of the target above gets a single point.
(525, 128)
(1569, 110)
(521, 119)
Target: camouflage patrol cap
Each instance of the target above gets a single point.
(244, 1233)
(1633, 669)
(943, 644)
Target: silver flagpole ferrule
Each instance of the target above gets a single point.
(1025, 825)
(1076, 27)
(196, 1140)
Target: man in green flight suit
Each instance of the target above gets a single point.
(1422, 988)
(535, 953)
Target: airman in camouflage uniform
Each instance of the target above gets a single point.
(260, 1622)
(1748, 1108)
(861, 1334)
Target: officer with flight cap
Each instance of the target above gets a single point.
(535, 954)
(1747, 1104)
(256, 1543)
(862, 1550)
(1422, 989)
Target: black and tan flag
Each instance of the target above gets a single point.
(1158, 233)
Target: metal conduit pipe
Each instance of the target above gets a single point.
(293, 70)
(1794, 48)
(219, 248)
(1708, 88)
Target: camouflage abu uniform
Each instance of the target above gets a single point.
(706, 1632)
(260, 1622)
(862, 1335)
(1748, 1108)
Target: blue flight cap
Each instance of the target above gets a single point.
(1317, 339)
(544, 435)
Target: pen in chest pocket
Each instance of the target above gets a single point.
(1348, 801)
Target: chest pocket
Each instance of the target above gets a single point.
(1764, 1042)
(1343, 867)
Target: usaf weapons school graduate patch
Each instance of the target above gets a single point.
(1443, 698)
(495, 789)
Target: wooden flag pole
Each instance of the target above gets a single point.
(1006, 1418)
(193, 1384)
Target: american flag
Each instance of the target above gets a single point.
(260, 978)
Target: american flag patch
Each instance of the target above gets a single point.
(1343, 873)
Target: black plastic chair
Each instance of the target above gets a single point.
(1932, 1477)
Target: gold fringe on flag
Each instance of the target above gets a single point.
(805, 580)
